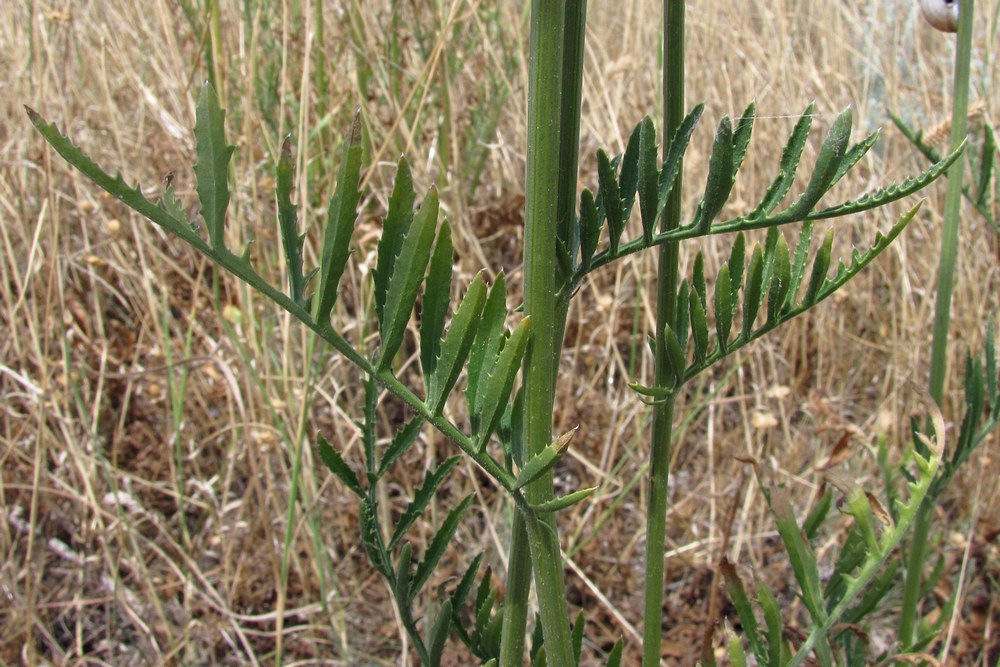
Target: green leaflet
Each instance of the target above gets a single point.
(720, 177)
(439, 634)
(683, 315)
(615, 657)
(420, 499)
(115, 185)
(648, 176)
(172, 205)
(741, 135)
(331, 459)
(723, 307)
(698, 284)
(737, 257)
(790, 158)
(562, 502)
(457, 345)
(543, 461)
(438, 545)
(212, 167)
(820, 266)
(631, 170)
(854, 155)
(752, 294)
(407, 274)
(675, 356)
(404, 576)
(780, 281)
(800, 554)
(831, 156)
(610, 198)
(341, 214)
(371, 537)
(699, 330)
(887, 194)
(772, 619)
(578, 637)
(404, 437)
(397, 222)
(744, 609)
(673, 162)
(291, 241)
(486, 347)
(590, 227)
(799, 263)
(495, 388)
(437, 297)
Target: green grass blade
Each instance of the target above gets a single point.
(212, 167)
(341, 215)
(744, 609)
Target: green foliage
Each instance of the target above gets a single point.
(414, 259)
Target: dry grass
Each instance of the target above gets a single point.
(152, 411)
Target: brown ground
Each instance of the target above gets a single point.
(151, 410)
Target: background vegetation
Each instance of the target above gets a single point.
(148, 446)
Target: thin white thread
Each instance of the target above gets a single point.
(798, 115)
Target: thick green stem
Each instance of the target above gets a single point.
(942, 309)
(555, 81)
(666, 304)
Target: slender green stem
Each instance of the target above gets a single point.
(952, 204)
(942, 309)
(666, 304)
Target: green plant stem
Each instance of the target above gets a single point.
(554, 68)
(666, 304)
(952, 204)
(942, 309)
